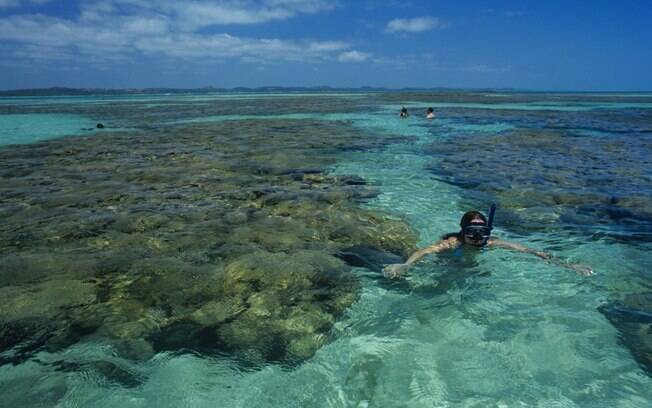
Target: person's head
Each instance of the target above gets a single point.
(475, 230)
(430, 110)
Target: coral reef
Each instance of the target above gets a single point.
(219, 237)
(544, 178)
(633, 318)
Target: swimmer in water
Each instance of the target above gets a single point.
(404, 112)
(475, 232)
(430, 113)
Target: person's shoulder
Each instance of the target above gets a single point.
(450, 235)
(495, 241)
(450, 240)
(498, 241)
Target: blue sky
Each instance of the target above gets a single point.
(539, 45)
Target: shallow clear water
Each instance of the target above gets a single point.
(495, 328)
(29, 128)
(504, 328)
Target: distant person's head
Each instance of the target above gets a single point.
(404, 112)
(430, 110)
(475, 230)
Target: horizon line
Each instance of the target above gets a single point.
(4, 92)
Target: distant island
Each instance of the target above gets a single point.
(64, 91)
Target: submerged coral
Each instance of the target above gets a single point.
(633, 318)
(220, 237)
(542, 178)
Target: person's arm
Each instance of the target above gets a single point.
(520, 248)
(396, 270)
(581, 269)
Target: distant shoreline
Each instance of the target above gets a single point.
(64, 91)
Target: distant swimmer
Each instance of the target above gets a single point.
(404, 112)
(475, 234)
(98, 126)
(430, 113)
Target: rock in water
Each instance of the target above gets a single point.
(633, 319)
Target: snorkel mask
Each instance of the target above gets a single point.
(479, 234)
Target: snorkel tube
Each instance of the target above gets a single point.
(490, 223)
(490, 220)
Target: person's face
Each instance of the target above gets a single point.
(476, 233)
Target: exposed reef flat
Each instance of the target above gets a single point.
(220, 237)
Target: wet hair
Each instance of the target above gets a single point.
(470, 216)
(430, 110)
(466, 220)
(404, 110)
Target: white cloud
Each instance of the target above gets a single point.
(118, 29)
(484, 69)
(424, 61)
(414, 25)
(9, 3)
(5, 4)
(428, 62)
(129, 36)
(400, 61)
(145, 25)
(38, 30)
(353, 56)
(303, 6)
(219, 46)
(254, 50)
(43, 53)
(327, 46)
(194, 14)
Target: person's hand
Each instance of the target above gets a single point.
(583, 270)
(543, 255)
(394, 271)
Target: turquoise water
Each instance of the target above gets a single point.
(29, 128)
(496, 329)
(511, 330)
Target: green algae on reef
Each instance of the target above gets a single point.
(220, 237)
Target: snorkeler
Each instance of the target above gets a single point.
(475, 233)
(430, 113)
(404, 113)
